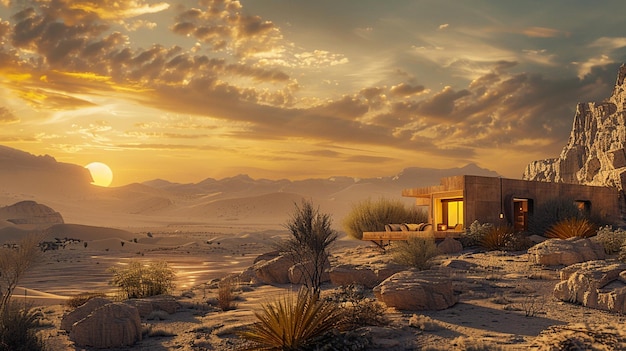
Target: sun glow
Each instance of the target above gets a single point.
(102, 174)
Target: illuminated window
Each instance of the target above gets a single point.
(584, 207)
(452, 212)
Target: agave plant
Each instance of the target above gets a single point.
(572, 227)
(497, 238)
(293, 323)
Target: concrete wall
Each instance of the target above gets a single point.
(487, 197)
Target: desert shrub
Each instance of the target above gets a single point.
(416, 252)
(15, 261)
(518, 242)
(158, 315)
(553, 211)
(571, 227)
(424, 323)
(475, 233)
(611, 240)
(372, 216)
(359, 310)
(151, 331)
(17, 329)
(311, 237)
(497, 238)
(294, 322)
(80, 299)
(138, 280)
(225, 295)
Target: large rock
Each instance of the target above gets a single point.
(554, 252)
(449, 245)
(109, 326)
(82, 311)
(367, 275)
(30, 212)
(596, 151)
(595, 284)
(416, 290)
(274, 271)
(147, 305)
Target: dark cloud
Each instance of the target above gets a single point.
(7, 117)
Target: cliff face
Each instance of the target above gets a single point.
(596, 151)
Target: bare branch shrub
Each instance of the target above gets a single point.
(15, 261)
(225, 295)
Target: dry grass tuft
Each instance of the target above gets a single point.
(572, 227)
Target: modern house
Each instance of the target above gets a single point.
(460, 200)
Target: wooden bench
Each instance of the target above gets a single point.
(379, 238)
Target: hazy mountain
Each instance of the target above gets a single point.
(239, 199)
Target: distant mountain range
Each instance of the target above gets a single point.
(239, 199)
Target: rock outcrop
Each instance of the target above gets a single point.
(30, 213)
(147, 305)
(367, 275)
(595, 284)
(416, 291)
(82, 312)
(109, 326)
(596, 151)
(555, 252)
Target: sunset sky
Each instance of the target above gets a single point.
(186, 90)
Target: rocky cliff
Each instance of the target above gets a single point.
(596, 151)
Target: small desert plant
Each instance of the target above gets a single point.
(611, 240)
(424, 323)
(311, 237)
(359, 310)
(293, 322)
(553, 211)
(372, 216)
(416, 252)
(150, 331)
(138, 280)
(497, 238)
(80, 299)
(572, 227)
(225, 295)
(17, 329)
(475, 233)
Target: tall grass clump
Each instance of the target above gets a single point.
(612, 240)
(572, 227)
(497, 238)
(294, 323)
(137, 280)
(475, 233)
(17, 329)
(416, 252)
(311, 238)
(372, 216)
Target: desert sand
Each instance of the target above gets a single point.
(496, 297)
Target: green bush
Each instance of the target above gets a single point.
(138, 280)
(372, 216)
(294, 323)
(17, 329)
(611, 240)
(572, 227)
(416, 252)
(475, 233)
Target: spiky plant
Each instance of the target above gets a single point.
(572, 227)
(416, 252)
(497, 238)
(17, 329)
(293, 323)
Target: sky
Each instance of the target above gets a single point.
(187, 90)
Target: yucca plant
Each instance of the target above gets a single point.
(293, 323)
(497, 238)
(572, 227)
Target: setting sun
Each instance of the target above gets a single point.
(102, 174)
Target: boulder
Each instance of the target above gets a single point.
(595, 284)
(109, 326)
(449, 245)
(274, 271)
(297, 272)
(145, 306)
(416, 291)
(554, 252)
(367, 275)
(81, 312)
